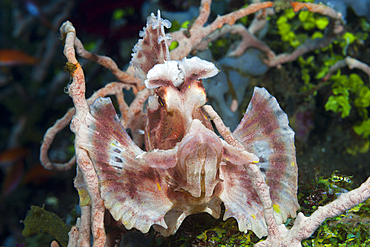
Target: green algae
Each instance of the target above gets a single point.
(38, 220)
(351, 228)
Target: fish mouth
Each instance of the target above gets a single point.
(199, 159)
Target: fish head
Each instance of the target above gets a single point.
(177, 99)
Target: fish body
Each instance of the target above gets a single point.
(161, 187)
(9, 57)
(186, 168)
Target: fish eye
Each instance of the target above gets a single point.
(160, 101)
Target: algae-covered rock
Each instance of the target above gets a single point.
(38, 220)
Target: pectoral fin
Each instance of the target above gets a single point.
(132, 191)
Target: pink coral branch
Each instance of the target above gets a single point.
(205, 10)
(343, 203)
(334, 29)
(77, 93)
(85, 225)
(123, 108)
(352, 63)
(248, 40)
(108, 63)
(247, 35)
(317, 8)
(113, 88)
(232, 17)
(138, 103)
(307, 46)
(222, 129)
(73, 237)
(260, 20)
(304, 226)
(198, 32)
(263, 192)
(48, 140)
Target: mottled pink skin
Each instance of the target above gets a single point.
(163, 186)
(171, 109)
(186, 168)
(166, 128)
(152, 48)
(264, 131)
(199, 158)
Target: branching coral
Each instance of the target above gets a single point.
(99, 165)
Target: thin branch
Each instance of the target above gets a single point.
(48, 140)
(309, 45)
(258, 180)
(77, 93)
(304, 226)
(108, 63)
(352, 63)
(317, 8)
(113, 88)
(198, 32)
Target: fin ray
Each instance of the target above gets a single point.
(133, 192)
(264, 131)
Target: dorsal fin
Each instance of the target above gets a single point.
(152, 49)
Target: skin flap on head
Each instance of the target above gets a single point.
(177, 72)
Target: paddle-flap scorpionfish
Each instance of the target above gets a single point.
(186, 168)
